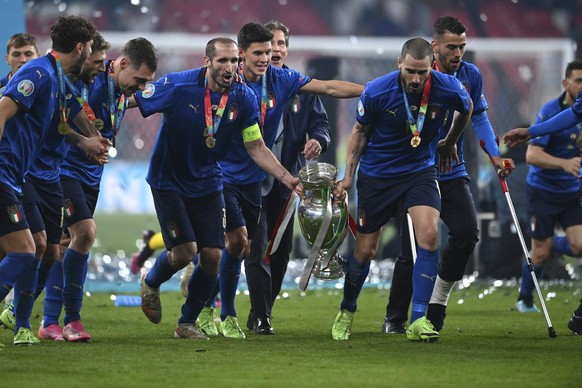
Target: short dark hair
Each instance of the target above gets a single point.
(574, 65)
(210, 50)
(252, 33)
(418, 48)
(140, 51)
(447, 23)
(21, 39)
(99, 43)
(275, 25)
(70, 30)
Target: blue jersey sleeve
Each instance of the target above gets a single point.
(27, 85)
(157, 97)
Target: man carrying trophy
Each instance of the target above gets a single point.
(394, 140)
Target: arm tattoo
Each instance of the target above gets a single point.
(282, 176)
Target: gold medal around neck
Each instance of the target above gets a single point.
(415, 141)
(63, 128)
(98, 124)
(210, 142)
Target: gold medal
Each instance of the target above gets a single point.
(415, 141)
(210, 142)
(63, 128)
(98, 124)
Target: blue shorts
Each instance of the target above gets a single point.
(378, 198)
(182, 220)
(243, 206)
(80, 201)
(546, 209)
(43, 205)
(12, 218)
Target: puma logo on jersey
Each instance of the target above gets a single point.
(40, 75)
(195, 108)
(431, 278)
(392, 112)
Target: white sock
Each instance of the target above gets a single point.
(9, 299)
(441, 291)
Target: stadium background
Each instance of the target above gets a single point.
(520, 46)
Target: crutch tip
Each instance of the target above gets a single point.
(552, 332)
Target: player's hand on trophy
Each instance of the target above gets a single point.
(312, 149)
(340, 191)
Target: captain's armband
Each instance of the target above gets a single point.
(251, 133)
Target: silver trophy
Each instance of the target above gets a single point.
(323, 223)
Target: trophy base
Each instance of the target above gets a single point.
(335, 269)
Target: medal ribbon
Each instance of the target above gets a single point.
(438, 68)
(117, 107)
(264, 98)
(416, 126)
(212, 128)
(64, 83)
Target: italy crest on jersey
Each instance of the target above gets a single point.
(295, 104)
(14, 213)
(272, 101)
(25, 87)
(433, 112)
(232, 112)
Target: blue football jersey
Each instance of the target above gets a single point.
(470, 76)
(76, 165)
(181, 160)
(388, 152)
(563, 144)
(35, 89)
(282, 86)
(3, 81)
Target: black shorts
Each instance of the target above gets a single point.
(43, 205)
(378, 198)
(201, 220)
(12, 216)
(243, 206)
(546, 209)
(79, 201)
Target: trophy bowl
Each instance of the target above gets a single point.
(318, 180)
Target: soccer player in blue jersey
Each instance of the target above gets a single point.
(457, 206)
(399, 116)
(303, 134)
(274, 87)
(21, 48)
(30, 110)
(107, 86)
(553, 184)
(204, 111)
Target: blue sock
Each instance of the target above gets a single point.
(356, 275)
(199, 289)
(161, 271)
(527, 285)
(74, 274)
(228, 280)
(24, 295)
(560, 244)
(11, 268)
(53, 297)
(43, 273)
(423, 278)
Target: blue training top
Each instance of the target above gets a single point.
(388, 152)
(561, 144)
(181, 161)
(35, 89)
